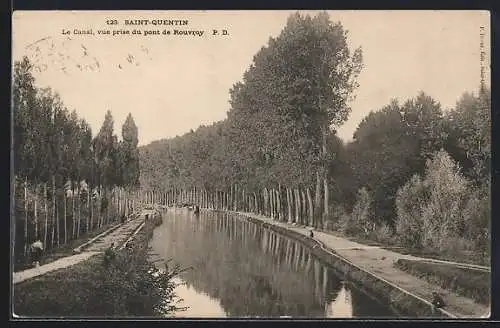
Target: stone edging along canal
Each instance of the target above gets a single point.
(393, 295)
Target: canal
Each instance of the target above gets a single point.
(241, 269)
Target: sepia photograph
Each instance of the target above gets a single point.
(251, 164)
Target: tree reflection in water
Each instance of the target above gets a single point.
(253, 271)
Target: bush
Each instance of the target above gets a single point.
(477, 213)
(442, 212)
(410, 199)
(384, 234)
(448, 191)
(337, 216)
(360, 221)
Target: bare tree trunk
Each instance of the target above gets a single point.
(255, 206)
(36, 210)
(53, 208)
(14, 217)
(289, 203)
(236, 198)
(271, 202)
(58, 235)
(118, 202)
(73, 213)
(304, 207)
(325, 181)
(90, 223)
(317, 200)
(278, 197)
(325, 178)
(311, 210)
(297, 206)
(326, 209)
(99, 208)
(79, 213)
(46, 209)
(275, 204)
(243, 200)
(65, 220)
(109, 201)
(266, 203)
(26, 216)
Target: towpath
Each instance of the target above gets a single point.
(379, 261)
(117, 235)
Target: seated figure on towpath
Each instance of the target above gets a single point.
(437, 300)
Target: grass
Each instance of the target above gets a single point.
(119, 287)
(48, 295)
(470, 283)
(462, 257)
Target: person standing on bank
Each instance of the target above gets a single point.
(36, 252)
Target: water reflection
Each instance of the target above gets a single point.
(242, 269)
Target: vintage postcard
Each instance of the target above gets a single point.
(256, 164)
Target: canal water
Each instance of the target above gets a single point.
(241, 269)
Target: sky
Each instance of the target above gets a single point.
(171, 84)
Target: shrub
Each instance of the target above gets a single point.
(345, 224)
(448, 192)
(410, 199)
(384, 234)
(360, 219)
(442, 212)
(337, 216)
(477, 214)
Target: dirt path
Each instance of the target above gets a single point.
(380, 261)
(118, 236)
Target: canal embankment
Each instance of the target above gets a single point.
(373, 268)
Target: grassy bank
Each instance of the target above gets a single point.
(474, 284)
(103, 286)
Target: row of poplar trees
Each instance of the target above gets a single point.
(66, 182)
(270, 154)
(277, 153)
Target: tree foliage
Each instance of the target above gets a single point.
(56, 153)
(279, 138)
(297, 87)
